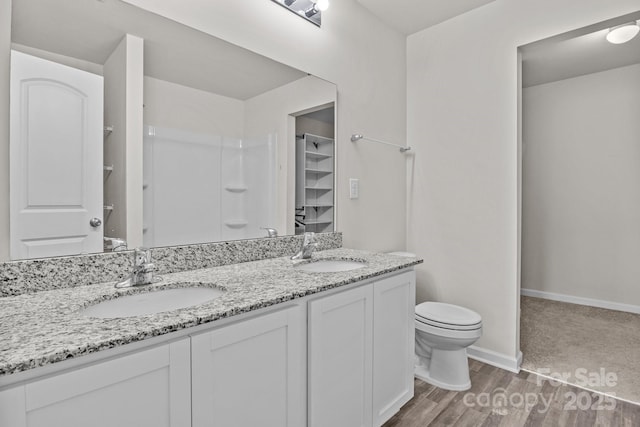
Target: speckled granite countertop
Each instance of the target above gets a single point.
(46, 327)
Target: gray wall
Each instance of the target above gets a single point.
(170, 105)
(462, 120)
(315, 127)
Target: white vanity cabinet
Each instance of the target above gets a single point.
(394, 301)
(361, 353)
(150, 388)
(341, 358)
(251, 373)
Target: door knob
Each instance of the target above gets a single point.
(95, 222)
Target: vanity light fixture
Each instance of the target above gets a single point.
(321, 5)
(623, 33)
(317, 7)
(311, 10)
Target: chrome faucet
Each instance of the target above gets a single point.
(114, 244)
(308, 245)
(271, 232)
(143, 269)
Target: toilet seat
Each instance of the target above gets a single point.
(448, 332)
(442, 325)
(447, 316)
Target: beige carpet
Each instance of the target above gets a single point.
(592, 347)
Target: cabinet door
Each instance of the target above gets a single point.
(250, 373)
(393, 344)
(340, 359)
(150, 388)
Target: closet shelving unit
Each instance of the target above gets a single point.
(315, 183)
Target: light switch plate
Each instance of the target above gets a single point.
(354, 188)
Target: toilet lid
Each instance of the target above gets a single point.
(447, 314)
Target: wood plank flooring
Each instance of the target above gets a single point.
(501, 398)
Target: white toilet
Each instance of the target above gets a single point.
(443, 333)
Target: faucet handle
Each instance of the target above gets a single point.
(309, 244)
(149, 267)
(141, 256)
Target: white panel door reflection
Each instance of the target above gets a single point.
(56, 133)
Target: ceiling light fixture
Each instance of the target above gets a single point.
(623, 33)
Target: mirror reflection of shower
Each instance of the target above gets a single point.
(225, 189)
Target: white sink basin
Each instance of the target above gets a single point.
(152, 302)
(330, 266)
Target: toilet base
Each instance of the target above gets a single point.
(450, 367)
(422, 373)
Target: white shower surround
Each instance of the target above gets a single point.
(225, 188)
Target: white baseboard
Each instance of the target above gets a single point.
(582, 301)
(498, 360)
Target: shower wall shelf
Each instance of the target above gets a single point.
(315, 183)
(236, 223)
(236, 188)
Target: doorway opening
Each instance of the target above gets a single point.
(580, 223)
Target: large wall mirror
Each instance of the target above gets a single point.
(129, 128)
